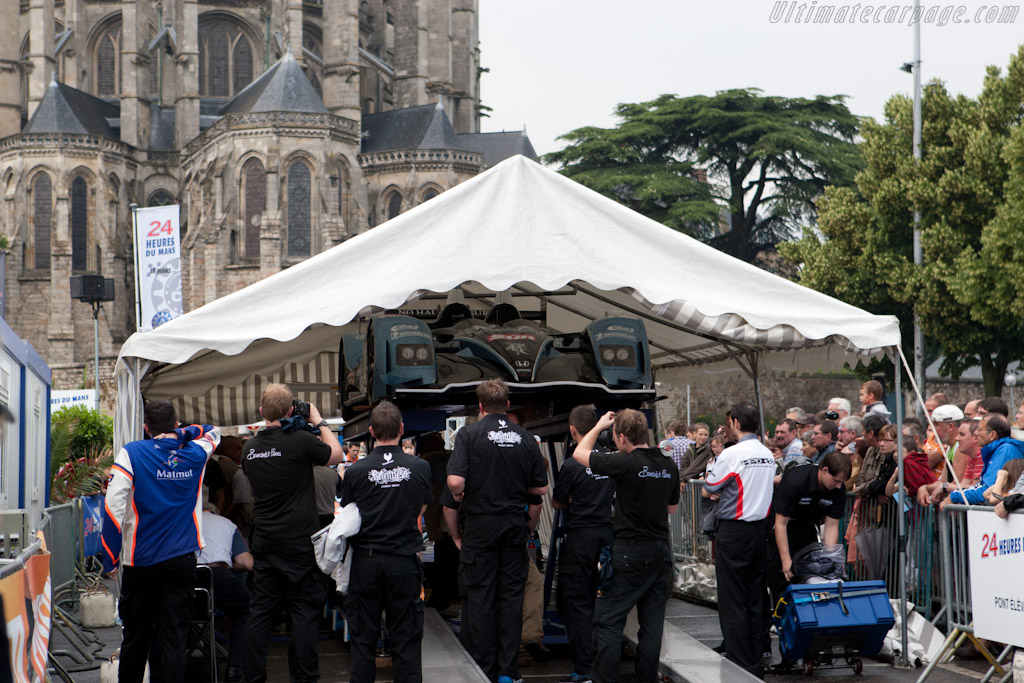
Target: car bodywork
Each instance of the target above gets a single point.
(421, 364)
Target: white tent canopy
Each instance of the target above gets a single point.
(554, 245)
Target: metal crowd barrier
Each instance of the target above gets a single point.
(61, 535)
(691, 547)
(956, 593)
(688, 542)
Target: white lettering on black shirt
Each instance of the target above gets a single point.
(505, 439)
(389, 478)
(272, 453)
(646, 473)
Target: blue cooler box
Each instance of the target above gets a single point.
(833, 618)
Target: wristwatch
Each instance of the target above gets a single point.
(945, 486)
(322, 423)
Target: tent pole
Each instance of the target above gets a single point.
(757, 393)
(901, 515)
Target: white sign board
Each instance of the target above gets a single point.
(157, 266)
(996, 549)
(78, 397)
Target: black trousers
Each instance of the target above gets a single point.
(577, 590)
(390, 584)
(740, 560)
(155, 609)
(232, 597)
(492, 572)
(284, 571)
(641, 576)
(444, 577)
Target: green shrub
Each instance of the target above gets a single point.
(81, 443)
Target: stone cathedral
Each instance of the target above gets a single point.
(281, 127)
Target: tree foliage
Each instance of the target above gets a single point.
(968, 188)
(752, 163)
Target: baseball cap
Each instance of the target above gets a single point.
(947, 413)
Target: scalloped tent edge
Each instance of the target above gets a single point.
(517, 228)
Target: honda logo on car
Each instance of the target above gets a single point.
(993, 547)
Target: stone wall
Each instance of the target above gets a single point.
(711, 397)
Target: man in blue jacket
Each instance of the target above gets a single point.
(152, 528)
(997, 448)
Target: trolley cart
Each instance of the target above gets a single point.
(821, 623)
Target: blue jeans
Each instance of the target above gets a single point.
(641, 576)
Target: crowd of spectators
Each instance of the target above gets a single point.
(832, 463)
(263, 497)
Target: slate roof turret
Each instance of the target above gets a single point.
(64, 109)
(282, 87)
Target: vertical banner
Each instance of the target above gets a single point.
(996, 549)
(157, 266)
(12, 588)
(37, 570)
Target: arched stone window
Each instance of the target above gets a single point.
(254, 189)
(154, 73)
(299, 205)
(107, 56)
(226, 59)
(242, 64)
(160, 198)
(345, 195)
(79, 224)
(394, 205)
(428, 194)
(42, 220)
(312, 44)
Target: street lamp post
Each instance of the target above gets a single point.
(914, 68)
(1010, 380)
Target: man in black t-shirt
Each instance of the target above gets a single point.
(494, 466)
(392, 489)
(646, 492)
(587, 523)
(279, 465)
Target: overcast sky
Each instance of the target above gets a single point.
(556, 65)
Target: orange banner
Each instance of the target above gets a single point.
(37, 571)
(12, 588)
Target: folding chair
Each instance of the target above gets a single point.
(202, 637)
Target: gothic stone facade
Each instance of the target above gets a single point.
(259, 190)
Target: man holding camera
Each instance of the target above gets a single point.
(279, 463)
(646, 493)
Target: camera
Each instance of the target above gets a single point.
(606, 442)
(831, 415)
(300, 408)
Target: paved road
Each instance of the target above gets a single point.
(698, 621)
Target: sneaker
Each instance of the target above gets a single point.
(509, 679)
(575, 678)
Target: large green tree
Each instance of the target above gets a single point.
(968, 188)
(738, 169)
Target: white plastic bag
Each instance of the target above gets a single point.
(330, 543)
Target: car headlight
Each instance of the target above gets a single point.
(618, 355)
(413, 354)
